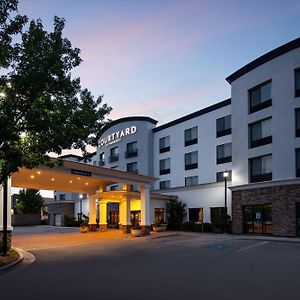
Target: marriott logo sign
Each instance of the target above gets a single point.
(117, 136)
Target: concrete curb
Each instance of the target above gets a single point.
(17, 261)
(270, 239)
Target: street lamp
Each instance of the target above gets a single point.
(225, 175)
(80, 214)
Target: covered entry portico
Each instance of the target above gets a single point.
(85, 179)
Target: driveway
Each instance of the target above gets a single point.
(178, 266)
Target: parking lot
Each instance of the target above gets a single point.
(173, 266)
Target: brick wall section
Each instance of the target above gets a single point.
(8, 238)
(62, 208)
(283, 199)
(26, 219)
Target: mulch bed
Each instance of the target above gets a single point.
(12, 256)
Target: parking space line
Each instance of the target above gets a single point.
(252, 246)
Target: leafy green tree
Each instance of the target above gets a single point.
(30, 201)
(42, 107)
(176, 212)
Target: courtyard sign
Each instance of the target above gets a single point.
(117, 136)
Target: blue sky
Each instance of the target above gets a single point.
(165, 59)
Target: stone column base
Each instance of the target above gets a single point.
(103, 227)
(92, 227)
(8, 240)
(125, 228)
(146, 229)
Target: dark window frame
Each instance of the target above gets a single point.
(262, 141)
(115, 157)
(223, 132)
(164, 149)
(190, 177)
(296, 162)
(225, 159)
(297, 131)
(191, 141)
(164, 171)
(129, 154)
(162, 184)
(134, 170)
(259, 177)
(297, 91)
(261, 105)
(192, 165)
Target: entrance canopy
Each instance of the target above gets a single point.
(75, 177)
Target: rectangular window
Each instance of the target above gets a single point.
(216, 214)
(131, 150)
(297, 121)
(62, 197)
(224, 153)
(224, 126)
(192, 180)
(191, 160)
(114, 154)
(220, 176)
(114, 187)
(164, 166)
(196, 215)
(191, 136)
(165, 184)
(159, 215)
(260, 133)
(297, 83)
(260, 97)
(297, 162)
(261, 168)
(101, 159)
(164, 144)
(132, 168)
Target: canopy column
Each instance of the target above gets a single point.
(125, 220)
(145, 209)
(103, 215)
(92, 215)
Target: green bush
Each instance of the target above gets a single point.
(196, 227)
(70, 222)
(176, 212)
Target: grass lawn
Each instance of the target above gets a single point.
(12, 256)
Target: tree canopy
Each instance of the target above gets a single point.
(30, 201)
(42, 107)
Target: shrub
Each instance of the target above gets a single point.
(176, 212)
(70, 222)
(196, 227)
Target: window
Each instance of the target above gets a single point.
(216, 214)
(192, 180)
(260, 133)
(220, 176)
(196, 215)
(191, 136)
(191, 160)
(297, 83)
(297, 162)
(224, 153)
(164, 166)
(159, 215)
(224, 126)
(260, 97)
(114, 187)
(297, 121)
(164, 144)
(131, 150)
(165, 184)
(62, 197)
(135, 216)
(132, 167)
(261, 168)
(114, 154)
(101, 159)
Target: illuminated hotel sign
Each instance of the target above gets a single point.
(117, 136)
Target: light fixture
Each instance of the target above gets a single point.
(225, 174)
(52, 179)
(32, 176)
(78, 178)
(39, 172)
(86, 183)
(70, 181)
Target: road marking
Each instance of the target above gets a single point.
(252, 246)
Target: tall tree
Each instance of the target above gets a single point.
(42, 107)
(30, 201)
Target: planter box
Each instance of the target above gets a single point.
(84, 229)
(136, 232)
(160, 228)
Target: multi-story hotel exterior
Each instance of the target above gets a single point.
(254, 136)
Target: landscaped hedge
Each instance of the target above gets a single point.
(196, 227)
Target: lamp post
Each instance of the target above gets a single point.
(225, 175)
(80, 214)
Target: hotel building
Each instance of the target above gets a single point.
(254, 136)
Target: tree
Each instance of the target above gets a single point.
(176, 212)
(30, 201)
(42, 108)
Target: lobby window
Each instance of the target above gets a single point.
(191, 160)
(297, 162)
(132, 167)
(62, 197)
(260, 97)
(224, 153)
(164, 184)
(164, 166)
(101, 159)
(114, 154)
(224, 126)
(297, 122)
(131, 150)
(164, 144)
(216, 214)
(192, 180)
(191, 136)
(196, 215)
(260, 133)
(159, 215)
(261, 168)
(297, 83)
(220, 176)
